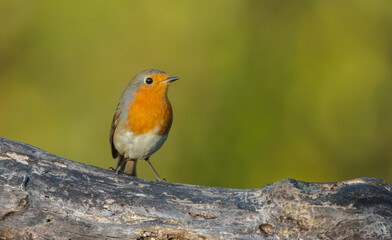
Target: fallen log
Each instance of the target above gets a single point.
(43, 196)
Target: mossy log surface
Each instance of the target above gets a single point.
(43, 196)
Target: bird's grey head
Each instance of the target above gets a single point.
(151, 78)
(140, 78)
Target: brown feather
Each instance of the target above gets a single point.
(112, 129)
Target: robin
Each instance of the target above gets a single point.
(142, 120)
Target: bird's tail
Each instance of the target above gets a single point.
(126, 165)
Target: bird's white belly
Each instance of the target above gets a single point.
(138, 146)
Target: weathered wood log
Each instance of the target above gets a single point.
(43, 196)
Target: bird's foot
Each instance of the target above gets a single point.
(117, 171)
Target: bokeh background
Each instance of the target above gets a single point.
(268, 90)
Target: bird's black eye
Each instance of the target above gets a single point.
(149, 80)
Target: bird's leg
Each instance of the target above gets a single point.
(156, 174)
(120, 165)
(118, 171)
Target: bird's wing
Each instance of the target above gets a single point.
(112, 129)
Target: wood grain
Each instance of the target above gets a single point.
(43, 196)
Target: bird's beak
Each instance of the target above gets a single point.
(170, 79)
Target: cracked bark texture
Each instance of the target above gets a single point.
(43, 196)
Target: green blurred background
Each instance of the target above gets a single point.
(268, 90)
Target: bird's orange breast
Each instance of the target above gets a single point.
(149, 109)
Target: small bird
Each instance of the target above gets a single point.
(142, 120)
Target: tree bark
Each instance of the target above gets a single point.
(43, 196)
